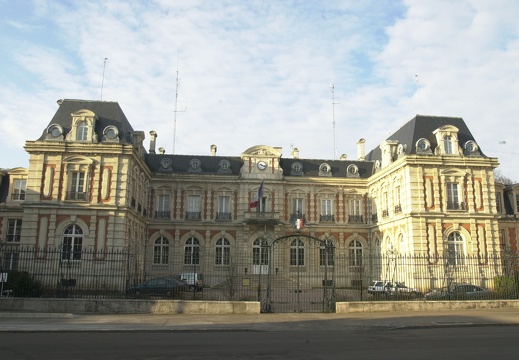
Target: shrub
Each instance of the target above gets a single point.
(23, 284)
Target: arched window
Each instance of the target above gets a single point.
(455, 249)
(327, 254)
(355, 252)
(223, 252)
(192, 252)
(297, 253)
(82, 131)
(72, 243)
(260, 255)
(161, 251)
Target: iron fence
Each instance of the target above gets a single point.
(283, 275)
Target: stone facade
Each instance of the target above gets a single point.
(428, 189)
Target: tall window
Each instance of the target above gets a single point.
(455, 249)
(19, 186)
(297, 208)
(77, 186)
(260, 254)
(193, 207)
(327, 254)
(14, 228)
(223, 252)
(72, 243)
(163, 209)
(161, 251)
(498, 202)
(224, 208)
(192, 252)
(385, 204)
(297, 253)
(82, 131)
(355, 211)
(452, 196)
(447, 144)
(355, 253)
(327, 210)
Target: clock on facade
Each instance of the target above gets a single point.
(262, 165)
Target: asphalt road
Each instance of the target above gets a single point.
(474, 342)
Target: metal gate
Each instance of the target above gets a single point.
(300, 275)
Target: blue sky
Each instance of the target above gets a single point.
(259, 72)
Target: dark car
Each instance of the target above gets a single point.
(459, 292)
(162, 286)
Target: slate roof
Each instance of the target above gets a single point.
(422, 126)
(181, 164)
(108, 113)
(4, 186)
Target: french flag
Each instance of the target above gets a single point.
(255, 202)
(298, 224)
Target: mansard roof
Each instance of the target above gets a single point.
(182, 164)
(423, 126)
(107, 112)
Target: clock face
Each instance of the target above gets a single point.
(262, 165)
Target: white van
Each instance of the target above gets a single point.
(194, 280)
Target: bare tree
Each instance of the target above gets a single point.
(500, 178)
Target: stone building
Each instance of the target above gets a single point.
(93, 183)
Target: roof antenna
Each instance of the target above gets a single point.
(175, 111)
(103, 79)
(332, 89)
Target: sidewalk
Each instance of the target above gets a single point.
(38, 322)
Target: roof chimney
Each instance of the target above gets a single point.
(295, 153)
(153, 137)
(213, 149)
(361, 150)
(162, 150)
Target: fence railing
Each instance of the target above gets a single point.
(109, 273)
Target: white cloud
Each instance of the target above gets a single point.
(259, 72)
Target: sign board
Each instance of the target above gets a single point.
(3, 277)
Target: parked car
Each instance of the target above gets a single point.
(392, 289)
(162, 286)
(402, 291)
(379, 288)
(193, 280)
(459, 292)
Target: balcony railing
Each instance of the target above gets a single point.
(398, 209)
(355, 218)
(193, 215)
(261, 217)
(327, 218)
(456, 206)
(374, 217)
(385, 213)
(18, 195)
(223, 216)
(297, 216)
(162, 214)
(74, 195)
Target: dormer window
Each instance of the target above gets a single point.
(447, 140)
(111, 134)
(54, 132)
(82, 127)
(325, 170)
